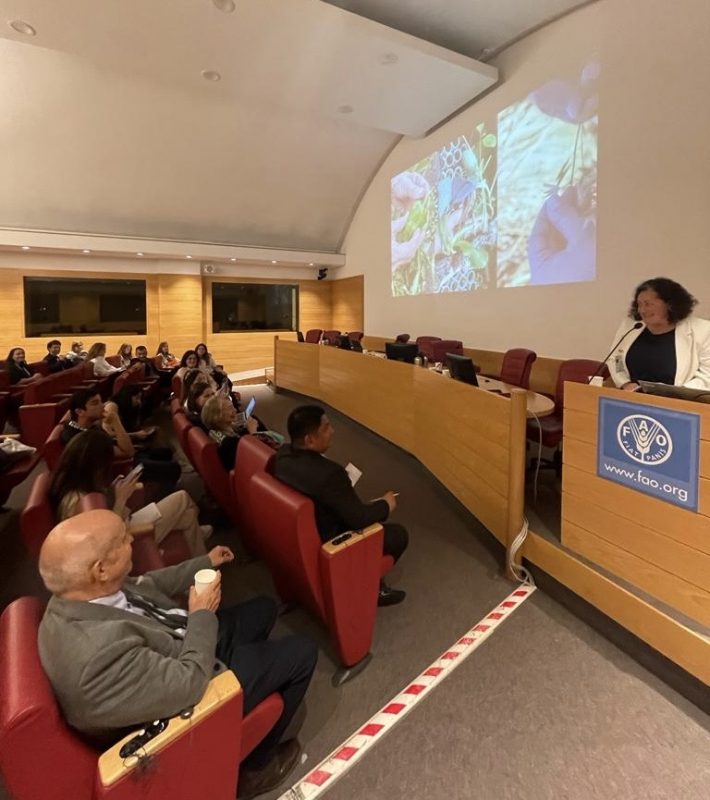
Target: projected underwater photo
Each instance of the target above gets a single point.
(512, 206)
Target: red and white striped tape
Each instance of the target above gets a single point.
(347, 754)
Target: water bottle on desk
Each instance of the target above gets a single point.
(417, 361)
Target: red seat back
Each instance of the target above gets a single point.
(331, 337)
(40, 756)
(206, 460)
(313, 336)
(289, 541)
(182, 426)
(424, 344)
(355, 336)
(37, 517)
(254, 456)
(575, 370)
(53, 447)
(439, 349)
(516, 367)
(402, 338)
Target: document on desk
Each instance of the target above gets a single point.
(353, 473)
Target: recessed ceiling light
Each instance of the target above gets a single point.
(86, 252)
(24, 28)
(224, 5)
(387, 59)
(188, 256)
(25, 247)
(274, 262)
(232, 259)
(345, 109)
(139, 254)
(211, 75)
(310, 263)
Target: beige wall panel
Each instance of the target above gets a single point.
(686, 562)
(543, 376)
(488, 361)
(681, 645)
(375, 342)
(297, 367)
(677, 593)
(180, 312)
(347, 302)
(675, 523)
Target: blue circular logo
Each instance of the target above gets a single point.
(644, 439)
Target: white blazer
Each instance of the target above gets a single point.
(692, 353)
(102, 368)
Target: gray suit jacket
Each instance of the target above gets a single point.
(112, 669)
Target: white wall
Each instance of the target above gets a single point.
(654, 185)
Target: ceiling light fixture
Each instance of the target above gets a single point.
(211, 75)
(24, 28)
(232, 259)
(310, 264)
(86, 252)
(188, 256)
(139, 254)
(274, 262)
(25, 247)
(227, 6)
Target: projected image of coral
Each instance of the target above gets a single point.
(513, 204)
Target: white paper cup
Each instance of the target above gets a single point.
(204, 578)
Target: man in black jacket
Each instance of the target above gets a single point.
(303, 466)
(56, 362)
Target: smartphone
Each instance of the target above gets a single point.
(250, 407)
(342, 538)
(134, 473)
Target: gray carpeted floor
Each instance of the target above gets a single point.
(546, 708)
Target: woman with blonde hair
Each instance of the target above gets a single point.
(97, 356)
(125, 352)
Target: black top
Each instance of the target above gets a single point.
(337, 506)
(652, 357)
(57, 363)
(19, 371)
(71, 429)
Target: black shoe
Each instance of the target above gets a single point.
(389, 596)
(253, 782)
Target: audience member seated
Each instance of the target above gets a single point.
(86, 410)
(125, 353)
(200, 392)
(77, 354)
(191, 378)
(97, 356)
(18, 369)
(56, 362)
(303, 466)
(118, 651)
(207, 363)
(190, 361)
(168, 360)
(219, 419)
(86, 466)
(128, 404)
(141, 357)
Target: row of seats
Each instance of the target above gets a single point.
(337, 583)
(332, 338)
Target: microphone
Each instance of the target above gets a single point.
(635, 327)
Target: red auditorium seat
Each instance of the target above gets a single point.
(424, 344)
(203, 453)
(313, 336)
(254, 456)
(402, 338)
(337, 583)
(576, 370)
(42, 757)
(439, 349)
(355, 336)
(16, 474)
(516, 367)
(331, 337)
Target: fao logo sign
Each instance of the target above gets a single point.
(644, 439)
(649, 449)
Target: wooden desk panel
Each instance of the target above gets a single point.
(461, 434)
(658, 547)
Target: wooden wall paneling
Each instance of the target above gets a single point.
(348, 299)
(375, 343)
(543, 375)
(670, 589)
(296, 367)
(180, 312)
(683, 646)
(488, 361)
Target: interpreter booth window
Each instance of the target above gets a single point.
(84, 306)
(254, 307)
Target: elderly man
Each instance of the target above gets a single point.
(119, 653)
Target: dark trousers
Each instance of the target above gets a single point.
(159, 468)
(396, 540)
(263, 667)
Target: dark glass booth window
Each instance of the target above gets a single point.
(82, 305)
(254, 307)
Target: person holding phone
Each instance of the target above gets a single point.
(86, 467)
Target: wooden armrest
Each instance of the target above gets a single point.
(220, 689)
(356, 538)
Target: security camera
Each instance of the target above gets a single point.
(322, 273)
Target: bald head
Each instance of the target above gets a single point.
(78, 554)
